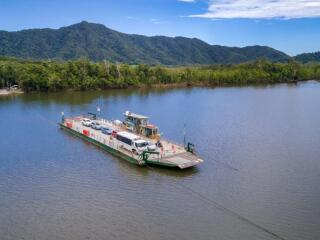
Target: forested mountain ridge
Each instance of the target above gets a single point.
(308, 57)
(97, 42)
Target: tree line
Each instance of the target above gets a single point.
(84, 75)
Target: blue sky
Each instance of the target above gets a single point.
(287, 25)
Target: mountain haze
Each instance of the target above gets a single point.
(97, 42)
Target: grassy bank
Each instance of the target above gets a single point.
(85, 75)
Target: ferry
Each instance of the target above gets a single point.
(134, 140)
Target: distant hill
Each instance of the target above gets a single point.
(308, 57)
(97, 42)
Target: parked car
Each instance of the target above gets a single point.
(151, 146)
(106, 130)
(95, 125)
(131, 142)
(86, 122)
(140, 145)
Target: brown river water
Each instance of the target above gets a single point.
(260, 178)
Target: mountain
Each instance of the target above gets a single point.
(308, 57)
(97, 42)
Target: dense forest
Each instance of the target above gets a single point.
(83, 74)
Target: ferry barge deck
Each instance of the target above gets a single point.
(125, 134)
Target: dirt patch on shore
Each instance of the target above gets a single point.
(5, 92)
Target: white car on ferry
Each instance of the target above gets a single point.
(86, 122)
(132, 142)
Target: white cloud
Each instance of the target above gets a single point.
(262, 9)
(186, 1)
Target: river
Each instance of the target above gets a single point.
(260, 178)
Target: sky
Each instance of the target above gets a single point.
(291, 26)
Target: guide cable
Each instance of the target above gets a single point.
(226, 210)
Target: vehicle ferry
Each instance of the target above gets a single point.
(134, 139)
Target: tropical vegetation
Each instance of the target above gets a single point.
(84, 74)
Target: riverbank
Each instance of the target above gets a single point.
(160, 86)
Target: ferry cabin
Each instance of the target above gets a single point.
(140, 124)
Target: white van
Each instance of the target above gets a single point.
(132, 142)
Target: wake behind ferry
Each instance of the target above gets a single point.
(134, 140)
